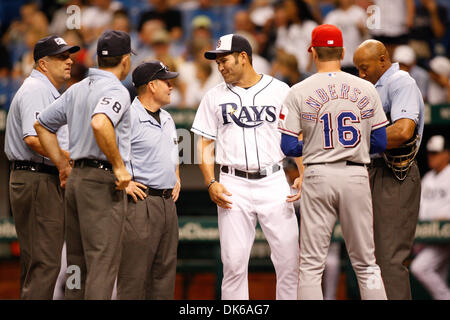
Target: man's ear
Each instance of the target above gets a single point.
(343, 53)
(152, 86)
(314, 53)
(124, 59)
(42, 64)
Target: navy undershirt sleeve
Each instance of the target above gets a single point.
(378, 140)
(291, 146)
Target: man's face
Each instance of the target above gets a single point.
(369, 68)
(163, 91)
(59, 66)
(230, 67)
(437, 160)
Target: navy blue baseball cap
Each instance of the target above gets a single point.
(50, 46)
(113, 43)
(152, 70)
(228, 44)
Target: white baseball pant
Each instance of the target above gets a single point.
(262, 200)
(430, 267)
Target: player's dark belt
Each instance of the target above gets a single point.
(164, 193)
(93, 163)
(250, 175)
(33, 166)
(349, 163)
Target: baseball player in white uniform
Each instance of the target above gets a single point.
(339, 115)
(430, 266)
(241, 116)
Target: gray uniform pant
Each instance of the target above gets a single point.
(37, 204)
(95, 213)
(149, 250)
(396, 211)
(332, 191)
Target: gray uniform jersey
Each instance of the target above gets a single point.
(35, 94)
(336, 111)
(100, 92)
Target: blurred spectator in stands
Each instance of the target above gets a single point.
(171, 17)
(439, 88)
(285, 68)
(396, 18)
(121, 21)
(14, 37)
(351, 19)
(201, 28)
(431, 264)
(161, 43)
(96, 17)
(260, 64)
(143, 47)
(406, 58)
(8, 86)
(24, 66)
(73, 37)
(242, 22)
(175, 95)
(260, 12)
(430, 24)
(195, 77)
(58, 23)
(315, 6)
(208, 9)
(294, 32)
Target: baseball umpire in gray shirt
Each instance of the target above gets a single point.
(34, 188)
(97, 112)
(150, 241)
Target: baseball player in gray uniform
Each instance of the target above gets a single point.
(339, 115)
(97, 112)
(149, 256)
(241, 116)
(35, 193)
(431, 264)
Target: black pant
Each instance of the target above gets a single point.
(395, 211)
(37, 204)
(149, 250)
(95, 212)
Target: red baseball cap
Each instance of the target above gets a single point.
(326, 35)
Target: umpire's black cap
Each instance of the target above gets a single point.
(230, 43)
(113, 43)
(50, 46)
(148, 71)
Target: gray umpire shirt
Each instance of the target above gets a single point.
(35, 94)
(100, 92)
(154, 148)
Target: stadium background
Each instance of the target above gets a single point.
(199, 268)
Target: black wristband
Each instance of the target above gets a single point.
(211, 182)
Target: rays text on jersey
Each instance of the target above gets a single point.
(247, 117)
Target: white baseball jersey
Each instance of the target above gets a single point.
(435, 196)
(244, 123)
(336, 111)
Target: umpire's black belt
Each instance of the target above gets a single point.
(33, 166)
(164, 193)
(349, 163)
(250, 175)
(94, 163)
